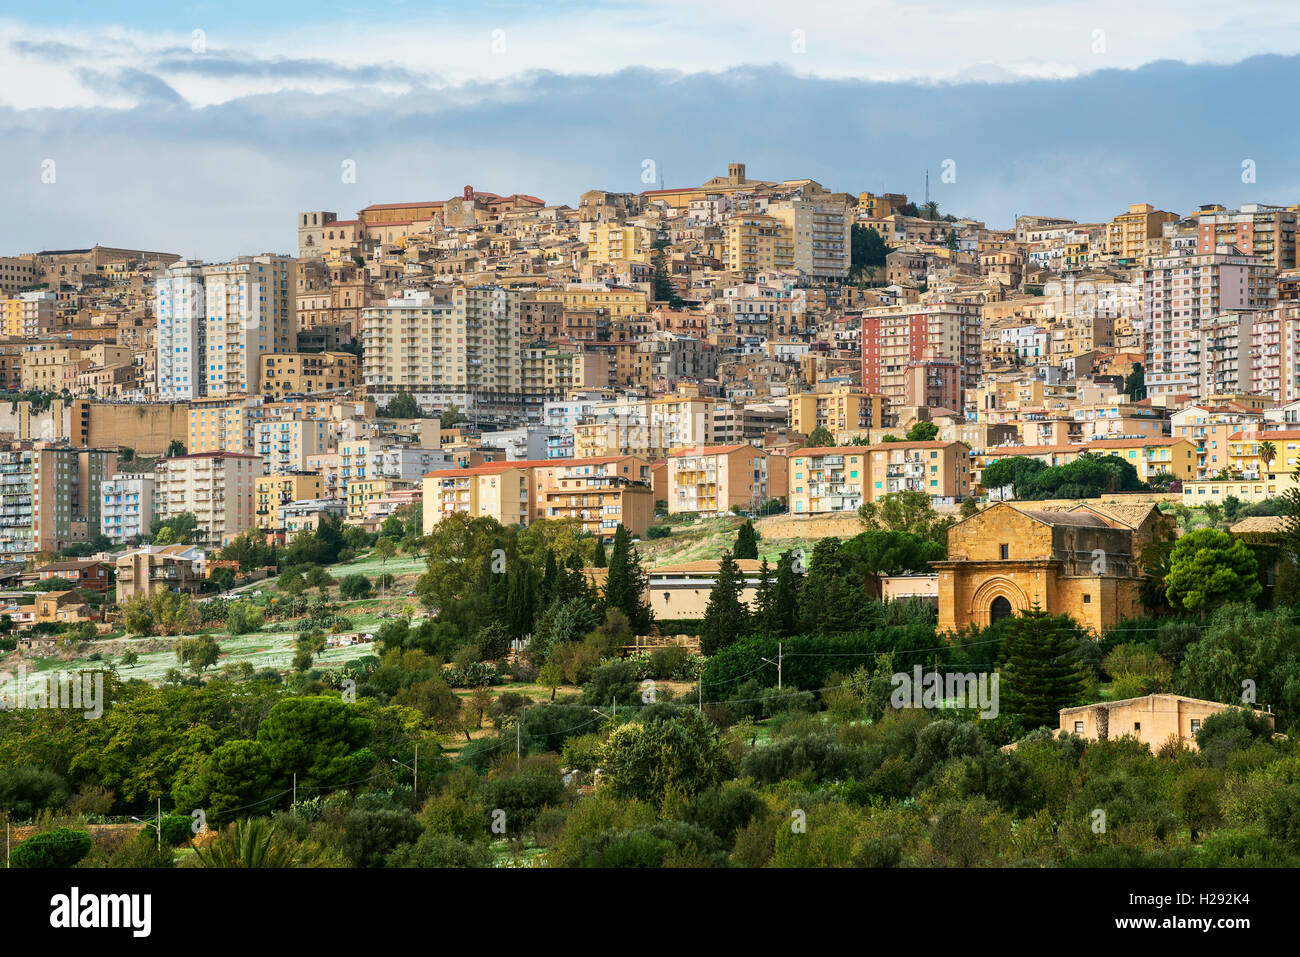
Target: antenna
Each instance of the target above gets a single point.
(927, 187)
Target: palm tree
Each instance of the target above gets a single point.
(251, 842)
(1267, 453)
(931, 210)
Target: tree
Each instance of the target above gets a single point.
(199, 652)
(922, 432)
(747, 541)
(821, 438)
(625, 584)
(451, 416)
(1208, 568)
(177, 447)
(249, 843)
(599, 560)
(726, 618)
(129, 658)
(354, 587)
(551, 676)
(402, 406)
(1135, 383)
(1267, 453)
(1040, 674)
(783, 618)
(908, 511)
(385, 548)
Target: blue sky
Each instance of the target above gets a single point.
(203, 128)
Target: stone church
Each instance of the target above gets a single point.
(1076, 559)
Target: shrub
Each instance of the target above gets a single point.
(61, 847)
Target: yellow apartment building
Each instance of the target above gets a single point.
(842, 409)
(272, 491)
(840, 479)
(1246, 454)
(608, 242)
(307, 373)
(498, 490)
(1127, 233)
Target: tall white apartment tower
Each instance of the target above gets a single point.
(179, 305)
(249, 314)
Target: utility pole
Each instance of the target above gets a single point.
(295, 788)
(615, 706)
(779, 659)
(519, 730)
(158, 827)
(415, 787)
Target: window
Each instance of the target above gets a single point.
(1196, 725)
(1005, 552)
(1137, 725)
(1087, 599)
(1078, 727)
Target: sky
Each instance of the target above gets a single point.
(203, 129)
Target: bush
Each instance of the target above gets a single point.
(177, 829)
(355, 586)
(658, 531)
(61, 847)
(433, 849)
(25, 790)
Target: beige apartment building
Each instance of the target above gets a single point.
(602, 492)
(223, 424)
(609, 242)
(307, 373)
(755, 242)
(29, 314)
(1256, 229)
(463, 347)
(714, 479)
(219, 488)
(154, 568)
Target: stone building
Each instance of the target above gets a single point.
(1080, 561)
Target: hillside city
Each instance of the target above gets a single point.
(733, 525)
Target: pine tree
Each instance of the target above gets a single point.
(550, 579)
(747, 541)
(832, 599)
(726, 618)
(625, 585)
(599, 561)
(1040, 673)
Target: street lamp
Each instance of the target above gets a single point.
(157, 827)
(415, 771)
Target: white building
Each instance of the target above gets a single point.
(126, 506)
(179, 306)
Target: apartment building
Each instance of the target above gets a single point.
(1256, 229)
(307, 515)
(216, 321)
(126, 506)
(819, 225)
(1128, 234)
(17, 273)
(224, 424)
(49, 498)
(462, 348)
(840, 479)
(601, 493)
(285, 444)
(270, 492)
(308, 373)
(714, 479)
(755, 242)
(940, 339)
(219, 488)
(498, 490)
(610, 242)
(1181, 293)
(153, 568)
(840, 409)
(1210, 430)
(29, 314)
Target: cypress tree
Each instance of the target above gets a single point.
(1040, 673)
(625, 585)
(599, 561)
(726, 618)
(550, 578)
(520, 601)
(785, 598)
(765, 601)
(747, 541)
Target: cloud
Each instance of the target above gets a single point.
(228, 178)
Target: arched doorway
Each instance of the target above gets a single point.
(999, 609)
